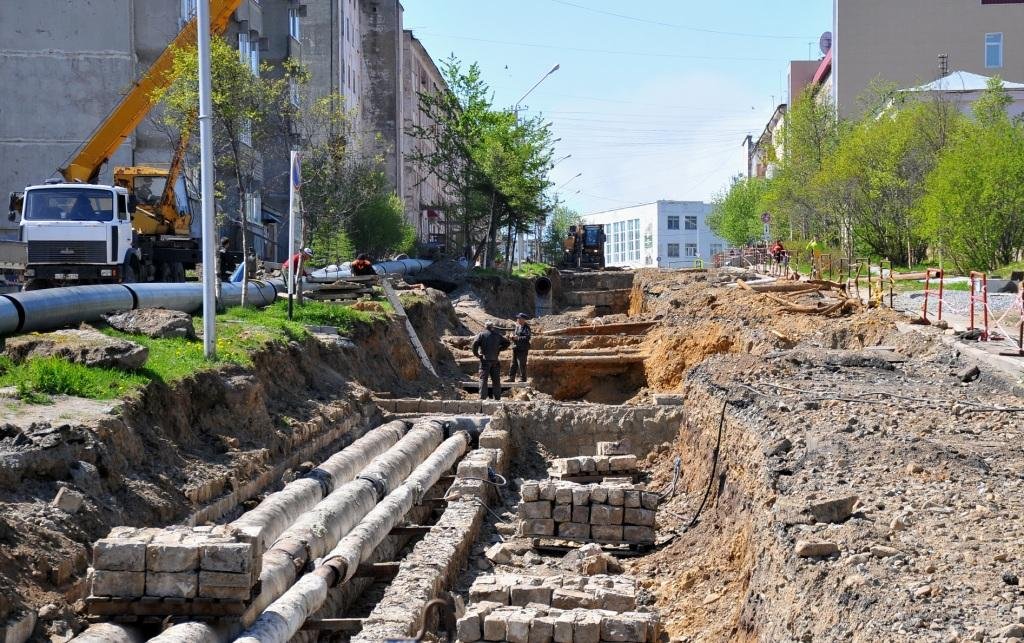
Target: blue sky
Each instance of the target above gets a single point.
(652, 103)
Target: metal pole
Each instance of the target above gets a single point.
(294, 177)
(206, 174)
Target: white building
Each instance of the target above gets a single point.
(666, 234)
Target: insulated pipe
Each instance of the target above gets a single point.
(186, 297)
(110, 633)
(10, 319)
(58, 307)
(347, 504)
(283, 619)
(397, 267)
(280, 509)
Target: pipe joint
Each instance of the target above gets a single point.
(323, 478)
(378, 485)
(334, 571)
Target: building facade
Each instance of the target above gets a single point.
(663, 234)
(899, 41)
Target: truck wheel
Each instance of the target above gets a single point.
(177, 272)
(164, 273)
(37, 284)
(128, 274)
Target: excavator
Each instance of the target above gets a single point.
(138, 229)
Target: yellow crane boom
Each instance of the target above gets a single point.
(138, 101)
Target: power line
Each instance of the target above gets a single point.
(677, 26)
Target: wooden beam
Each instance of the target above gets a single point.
(396, 303)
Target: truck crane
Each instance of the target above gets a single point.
(138, 229)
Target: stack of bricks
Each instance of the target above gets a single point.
(594, 465)
(564, 609)
(604, 513)
(175, 563)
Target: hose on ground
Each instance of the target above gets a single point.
(714, 467)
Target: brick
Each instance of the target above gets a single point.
(616, 601)
(606, 533)
(68, 500)
(624, 628)
(472, 468)
(642, 517)
(598, 495)
(588, 465)
(622, 462)
(631, 498)
(574, 530)
(523, 594)
(494, 592)
(468, 628)
(118, 584)
(517, 629)
(563, 495)
(539, 509)
(495, 625)
(586, 628)
(649, 500)
(611, 448)
(580, 496)
(171, 557)
(494, 439)
(542, 630)
(605, 515)
(227, 557)
(634, 533)
(603, 465)
(569, 599)
(407, 406)
(483, 608)
(537, 527)
(581, 514)
(226, 593)
(530, 492)
(563, 627)
(547, 490)
(562, 513)
(172, 584)
(224, 579)
(122, 555)
(616, 496)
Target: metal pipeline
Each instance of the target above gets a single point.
(542, 288)
(396, 267)
(39, 310)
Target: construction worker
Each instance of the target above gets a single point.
(520, 348)
(299, 257)
(487, 347)
(363, 266)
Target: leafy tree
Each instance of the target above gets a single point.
(973, 207)
(736, 216)
(562, 218)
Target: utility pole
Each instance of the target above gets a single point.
(206, 181)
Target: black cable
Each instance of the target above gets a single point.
(714, 467)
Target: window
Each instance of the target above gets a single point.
(673, 249)
(716, 248)
(253, 208)
(293, 23)
(246, 134)
(188, 9)
(690, 223)
(993, 50)
(293, 92)
(673, 223)
(690, 249)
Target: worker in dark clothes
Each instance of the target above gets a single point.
(486, 347)
(520, 348)
(363, 266)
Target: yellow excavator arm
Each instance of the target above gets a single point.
(137, 103)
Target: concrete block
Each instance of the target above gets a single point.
(172, 584)
(542, 630)
(495, 592)
(633, 533)
(547, 490)
(616, 601)
(586, 628)
(483, 608)
(495, 625)
(225, 593)
(631, 498)
(224, 579)
(407, 406)
(563, 495)
(624, 629)
(116, 554)
(612, 448)
(68, 500)
(603, 464)
(622, 462)
(606, 533)
(517, 628)
(524, 594)
(642, 517)
(649, 500)
(570, 599)
(538, 509)
(530, 492)
(588, 465)
(581, 514)
(171, 557)
(118, 584)
(598, 495)
(227, 557)
(563, 627)
(472, 468)
(574, 530)
(581, 496)
(570, 466)
(616, 496)
(605, 515)
(494, 439)
(537, 527)
(468, 628)
(562, 513)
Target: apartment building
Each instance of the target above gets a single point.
(664, 234)
(900, 41)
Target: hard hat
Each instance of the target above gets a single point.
(522, 316)
(307, 251)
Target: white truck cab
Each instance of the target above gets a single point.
(78, 233)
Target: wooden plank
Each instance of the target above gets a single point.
(396, 303)
(627, 328)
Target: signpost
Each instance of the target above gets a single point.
(766, 219)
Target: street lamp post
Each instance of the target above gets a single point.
(542, 79)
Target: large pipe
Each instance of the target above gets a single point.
(320, 529)
(396, 267)
(283, 619)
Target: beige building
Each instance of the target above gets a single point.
(900, 41)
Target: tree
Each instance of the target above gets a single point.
(250, 114)
(973, 206)
(736, 216)
(562, 218)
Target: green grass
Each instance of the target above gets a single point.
(36, 379)
(531, 270)
(312, 313)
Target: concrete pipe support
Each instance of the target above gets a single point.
(283, 619)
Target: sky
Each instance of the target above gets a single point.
(652, 99)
